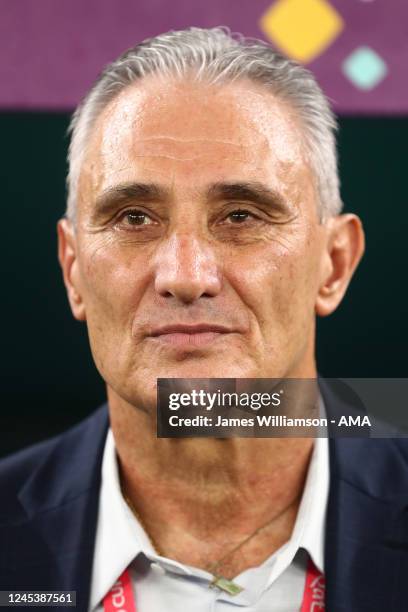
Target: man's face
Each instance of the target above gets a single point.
(197, 207)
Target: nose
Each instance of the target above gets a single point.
(186, 268)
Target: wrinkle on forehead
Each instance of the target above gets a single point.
(189, 149)
(191, 140)
(145, 150)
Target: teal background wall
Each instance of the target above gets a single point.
(48, 377)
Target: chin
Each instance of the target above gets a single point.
(205, 368)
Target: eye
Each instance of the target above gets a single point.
(135, 217)
(240, 215)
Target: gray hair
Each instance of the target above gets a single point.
(216, 56)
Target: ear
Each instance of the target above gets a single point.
(344, 249)
(67, 256)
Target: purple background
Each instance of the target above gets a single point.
(52, 50)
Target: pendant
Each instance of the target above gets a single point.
(226, 585)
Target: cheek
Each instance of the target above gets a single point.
(110, 283)
(278, 282)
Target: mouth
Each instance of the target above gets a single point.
(189, 336)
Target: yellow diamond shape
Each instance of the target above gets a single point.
(302, 29)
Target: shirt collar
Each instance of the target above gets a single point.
(310, 523)
(120, 537)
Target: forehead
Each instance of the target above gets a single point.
(187, 132)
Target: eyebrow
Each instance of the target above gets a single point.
(251, 191)
(248, 191)
(111, 198)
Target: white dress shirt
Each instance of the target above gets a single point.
(161, 584)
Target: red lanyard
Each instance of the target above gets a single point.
(121, 599)
(314, 593)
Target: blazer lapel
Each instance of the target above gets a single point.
(367, 526)
(51, 544)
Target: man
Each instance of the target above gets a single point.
(203, 235)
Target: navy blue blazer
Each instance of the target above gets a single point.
(49, 502)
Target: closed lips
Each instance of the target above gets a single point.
(189, 329)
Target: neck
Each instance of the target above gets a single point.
(199, 498)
